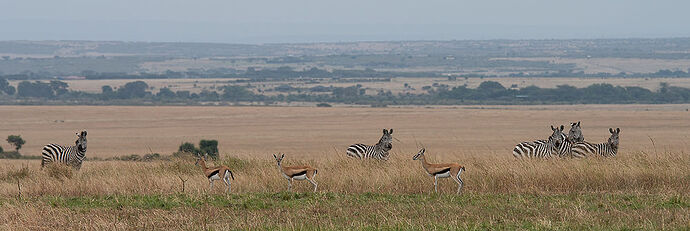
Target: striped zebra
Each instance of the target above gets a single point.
(540, 148)
(378, 151)
(72, 155)
(608, 149)
(565, 148)
(575, 133)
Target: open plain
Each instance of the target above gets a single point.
(643, 187)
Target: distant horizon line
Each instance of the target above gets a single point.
(345, 42)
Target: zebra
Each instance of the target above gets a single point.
(72, 155)
(574, 136)
(540, 148)
(575, 133)
(608, 149)
(378, 151)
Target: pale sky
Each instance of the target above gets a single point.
(263, 21)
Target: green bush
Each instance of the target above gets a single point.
(209, 147)
(188, 148)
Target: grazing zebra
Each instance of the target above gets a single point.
(378, 151)
(608, 149)
(72, 155)
(541, 149)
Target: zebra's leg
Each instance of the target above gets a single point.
(314, 183)
(436, 184)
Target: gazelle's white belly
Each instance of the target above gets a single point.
(214, 177)
(300, 177)
(443, 175)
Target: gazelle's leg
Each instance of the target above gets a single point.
(436, 184)
(210, 184)
(290, 184)
(314, 183)
(460, 182)
(227, 182)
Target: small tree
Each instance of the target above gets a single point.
(16, 141)
(209, 147)
(1, 151)
(188, 148)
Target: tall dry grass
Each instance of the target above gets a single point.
(637, 172)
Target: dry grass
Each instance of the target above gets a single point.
(662, 173)
(500, 192)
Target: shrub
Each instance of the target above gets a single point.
(10, 155)
(323, 105)
(188, 148)
(209, 147)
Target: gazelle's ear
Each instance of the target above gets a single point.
(422, 151)
(274, 156)
(282, 155)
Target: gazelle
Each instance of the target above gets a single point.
(441, 170)
(215, 173)
(303, 172)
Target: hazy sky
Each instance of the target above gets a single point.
(260, 21)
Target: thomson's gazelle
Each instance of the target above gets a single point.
(216, 173)
(441, 170)
(303, 172)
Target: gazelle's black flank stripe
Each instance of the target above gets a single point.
(70, 155)
(378, 151)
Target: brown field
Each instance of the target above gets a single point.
(317, 132)
(643, 187)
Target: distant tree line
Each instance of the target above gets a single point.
(488, 92)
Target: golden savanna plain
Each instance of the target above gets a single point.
(644, 187)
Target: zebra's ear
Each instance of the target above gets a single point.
(578, 123)
(83, 133)
(618, 130)
(611, 130)
(390, 131)
(562, 127)
(385, 131)
(552, 128)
